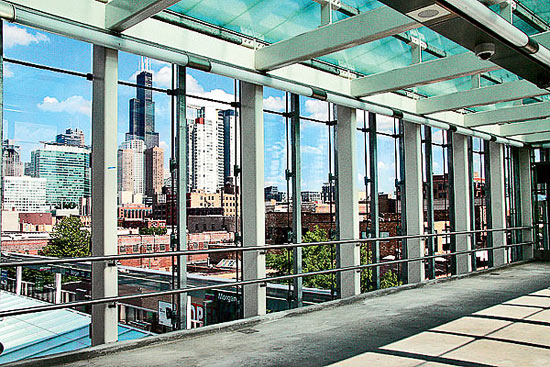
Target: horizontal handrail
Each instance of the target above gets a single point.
(265, 280)
(53, 261)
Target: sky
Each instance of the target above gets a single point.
(40, 104)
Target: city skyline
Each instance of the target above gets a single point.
(35, 112)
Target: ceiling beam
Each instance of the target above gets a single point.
(363, 28)
(526, 128)
(428, 72)
(535, 138)
(479, 97)
(533, 111)
(123, 14)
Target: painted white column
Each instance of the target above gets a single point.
(18, 279)
(526, 201)
(461, 193)
(414, 201)
(347, 200)
(497, 202)
(57, 281)
(104, 192)
(253, 208)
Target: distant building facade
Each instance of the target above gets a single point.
(11, 160)
(24, 194)
(71, 137)
(66, 170)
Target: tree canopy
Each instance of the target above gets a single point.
(68, 239)
(323, 257)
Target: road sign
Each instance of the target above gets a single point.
(165, 313)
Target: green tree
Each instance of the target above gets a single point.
(155, 231)
(68, 239)
(322, 257)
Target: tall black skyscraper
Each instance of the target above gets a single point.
(142, 110)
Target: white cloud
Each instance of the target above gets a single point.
(308, 149)
(164, 145)
(73, 104)
(8, 73)
(275, 103)
(19, 36)
(316, 109)
(192, 85)
(161, 78)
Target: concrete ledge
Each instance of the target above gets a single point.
(89, 353)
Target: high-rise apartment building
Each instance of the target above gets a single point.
(125, 170)
(24, 194)
(137, 175)
(71, 137)
(66, 170)
(142, 109)
(203, 149)
(228, 148)
(154, 170)
(11, 160)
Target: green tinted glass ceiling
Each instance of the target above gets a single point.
(539, 7)
(273, 21)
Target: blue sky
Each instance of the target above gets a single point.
(40, 104)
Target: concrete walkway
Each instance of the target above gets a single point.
(499, 318)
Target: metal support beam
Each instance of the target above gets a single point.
(525, 201)
(1, 126)
(374, 231)
(535, 138)
(296, 196)
(363, 28)
(181, 194)
(428, 72)
(348, 204)
(123, 14)
(532, 111)
(526, 128)
(104, 192)
(253, 212)
(413, 200)
(496, 205)
(461, 204)
(478, 97)
(428, 168)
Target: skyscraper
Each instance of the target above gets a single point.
(227, 131)
(12, 165)
(66, 170)
(71, 137)
(142, 109)
(125, 170)
(137, 175)
(154, 170)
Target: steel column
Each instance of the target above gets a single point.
(296, 196)
(1, 126)
(428, 159)
(104, 192)
(525, 201)
(496, 207)
(181, 193)
(414, 204)
(58, 287)
(349, 282)
(374, 230)
(460, 205)
(253, 210)
(18, 279)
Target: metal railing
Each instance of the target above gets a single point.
(113, 258)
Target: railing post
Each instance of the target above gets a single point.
(413, 202)
(525, 201)
(253, 209)
(57, 287)
(104, 192)
(496, 205)
(348, 204)
(461, 201)
(18, 279)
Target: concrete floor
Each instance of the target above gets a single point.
(499, 318)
